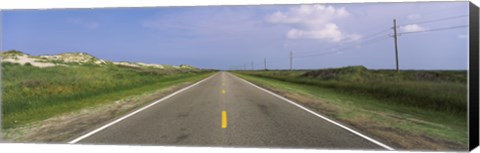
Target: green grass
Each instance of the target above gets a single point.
(355, 108)
(31, 94)
(430, 90)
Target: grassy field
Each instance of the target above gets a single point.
(432, 90)
(32, 94)
(410, 109)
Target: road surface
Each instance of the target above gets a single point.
(223, 110)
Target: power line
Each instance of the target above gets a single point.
(443, 10)
(434, 20)
(365, 38)
(437, 29)
(352, 44)
(371, 41)
(377, 33)
(346, 47)
(376, 41)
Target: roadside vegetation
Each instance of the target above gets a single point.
(408, 109)
(31, 93)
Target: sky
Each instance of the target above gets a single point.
(432, 35)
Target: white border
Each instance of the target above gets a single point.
(49, 4)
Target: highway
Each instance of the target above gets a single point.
(224, 110)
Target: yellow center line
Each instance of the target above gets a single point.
(224, 119)
(224, 113)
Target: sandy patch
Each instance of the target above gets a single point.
(24, 59)
(139, 65)
(151, 65)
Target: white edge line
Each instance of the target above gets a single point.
(318, 115)
(135, 112)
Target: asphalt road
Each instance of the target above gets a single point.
(226, 111)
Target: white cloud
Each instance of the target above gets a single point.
(412, 28)
(308, 15)
(329, 32)
(314, 22)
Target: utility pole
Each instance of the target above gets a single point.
(252, 65)
(291, 60)
(265, 63)
(244, 66)
(396, 43)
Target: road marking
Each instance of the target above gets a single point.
(318, 115)
(224, 119)
(223, 91)
(135, 112)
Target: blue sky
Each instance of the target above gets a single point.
(224, 37)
